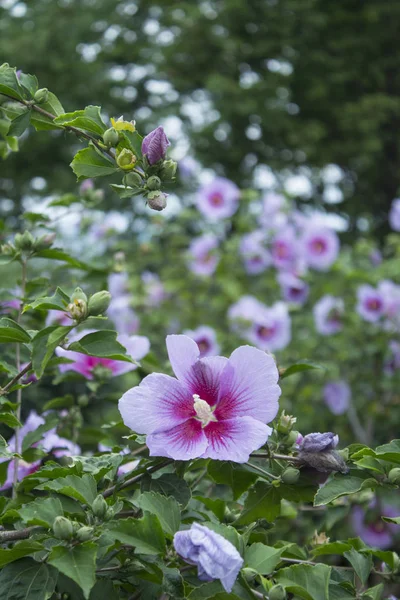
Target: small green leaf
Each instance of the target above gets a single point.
(102, 344)
(392, 520)
(9, 84)
(88, 163)
(263, 502)
(262, 558)
(146, 534)
(83, 489)
(361, 563)
(9, 419)
(88, 119)
(41, 511)
(10, 331)
(58, 301)
(169, 484)
(125, 191)
(306, 365)
(166, 509)
(78, 563)
(29, 82)
(133, 141)
(27, 579)
(44, 344)
(173, 583)
(53, 107)
(18, 551)
(20, 123)
(341, 485)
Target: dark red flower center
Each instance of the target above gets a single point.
(216, 199)
(265, 333)
(281, 249)
(204, 345)
(374, 304)
(318, 246)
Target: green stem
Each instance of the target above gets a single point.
(263, 472)
(13, 381)
(133, 480)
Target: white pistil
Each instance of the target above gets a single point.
(203, 410)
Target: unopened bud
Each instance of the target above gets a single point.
(111, 137)
(46, 241)
(78, 294)
(394, 476)
(249, 574)
(153, 183)
(285, 423)
(277, 592)
(78, 310)
(41, 96)
(157, 200)
(24, 241)
(84, 534)
(292, 438)
(63, 528)
(126, 160)
(290, 475)
(99, 507)
(99, 303)
(133, 180)
(168, 169)
(109, 514)
(7, 249)
(325, 462)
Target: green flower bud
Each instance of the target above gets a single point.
(84, 534)
(394, 476)
(24, 241)
(277, 592)
(153, 183)
(99, 507)
(133, 180)
(63, 528)
(168, 169)
(78, 294)
(109, 514)
(249, 574)
(99, 303)
(41, 96)
(78, 309)
(126, 160)
(286, 422)
(292, 437)
(157, 200)
(290, 475)
(44, 242)
(83, 400)
(7, 249)
(111, 137)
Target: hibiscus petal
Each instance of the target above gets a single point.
(137, 346)
(159, 403)
(183, 352)
(248, 386)
(235, 439)
(183, 442)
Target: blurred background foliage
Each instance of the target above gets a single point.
(240, 85)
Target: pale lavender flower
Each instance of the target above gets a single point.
(319, 442)
(284, 249)
(214, 556)
(57, 317)
(123, 316)
(328, 315)
(86, 186)
(337, 395)
(203, 256)
(271, 328)
(272, 216)
(154, 288)
(371, 303)
(394, 215)
(187, 167)
(126, 467)
(218, 199)
(118, 284)
(206, 339)
(375, 256)
(368, 525)
(154, 145)
(137, 347)
(242, 313)
(320, 247)
(390, 293)
(216, 408)
(293, 289)
(392, 362)
(255, 256)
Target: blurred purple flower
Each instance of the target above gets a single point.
(337, 395)
(137, 347)
(218, 199)
(187, 167)
(328, 314)
(214, 556)
(284, 249)
(319, 442)
(206, 339)
(272, 216)
(394, 215)
(293, 289)
(242, 312)
(86, 186)
(256, 257)
(368, 525)
(320, 247)
(118, 284)
(271, 328)
(57, 317)
(203, 258)
(216, 408)
(392, 362)
(154, 145)
(154, 288)
(371, 303)
(123, 316)
(375, 256)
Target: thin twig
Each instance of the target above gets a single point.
(19, 534)
(13, 381)
(262, 471)
(132, 480)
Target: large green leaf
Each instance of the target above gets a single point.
(88, 119)
(83, 489)
(41, 511)
(20, 123)
(262, 558)
(27, 579)
(78, 563)
(169, 484)
(10, 331)
(57, 254)
(58, 301)
(44, 344)
(146, 534)
(19, 550)
(9, 419)
(166, 509)
(263, 502)
(341, 485)
(233, 475)
(307, 581)
(88, 163)
(102, 344)
(361, 563)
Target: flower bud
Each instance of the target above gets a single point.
(290, 475)
(41, 96)
(249, 574)
(121, 125)
(99, 507)
(133, 180)
(78, 294)
(7, 249)
(24, 241)
(292, 438)
(157, 200)
(126, 160)
(277, 592)
(154, 145)
(286, 422)
(99, 303)
(111, 137)
(394, 476)
(109, 514)
(153, 183)
(46, 241)
(78, 310)
(168, 169)
(84, 534)
(63, 528)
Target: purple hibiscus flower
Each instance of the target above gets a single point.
(371, 303)
(118, 284)
(255, 256)
(218, 199)
(206, 339)
(392, 362)
(214, 556)
(284, 249)
(271, 328)
(272, 216)
(216, 408)
(154, 145)
(293, 289)
(203, 257)
(320, 247)
(394, 215)
(137, 347)
(328, 314)
(123, 316)
(337, 395)
(368, 525)
(319, 442)
(242, 312)
(154, 288)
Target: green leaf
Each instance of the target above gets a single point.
(374, 593)
(88, 119)
(125, 191)
(169, 484)
(78, 563)
(18, 551)
(214, 591)
(10, 331)
(27, 579)
(341, 485)
(306, 365)
(44, 344)
(216, 505)
(57, 254)
(146, 534)
(88, 163)
(307, 581)
(389, 452)
(102, 344)
(20, 123)
(52, 106)
(332, 548)
(361, 563)
(173, 583)
(58, 301)
(392, 520)
(83, 489)
(9, 84)
(166, 509)
(32, 437)
(9, 419)
(29, 82)
(134, 142)
(41, 511)
(262, 558)
(232, 474)
(263, 502)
